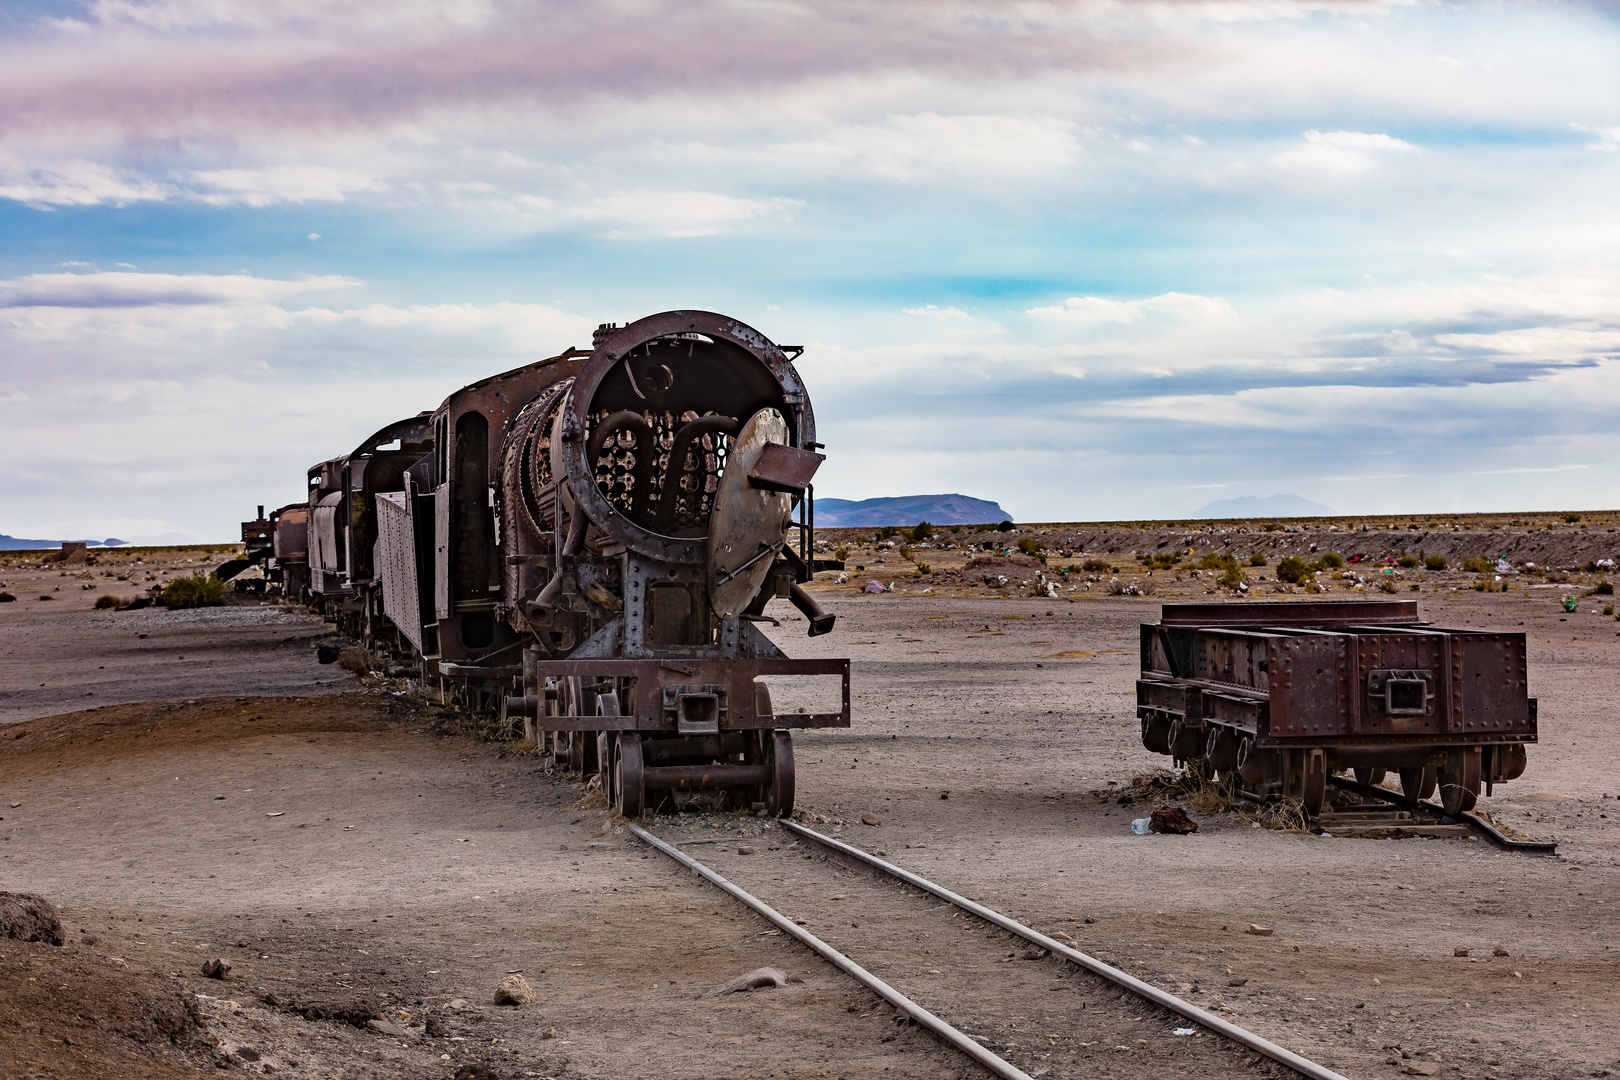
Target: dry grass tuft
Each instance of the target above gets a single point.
(359, 662)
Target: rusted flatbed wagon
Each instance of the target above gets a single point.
(1276, 695)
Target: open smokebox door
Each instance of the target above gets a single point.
(753, 509)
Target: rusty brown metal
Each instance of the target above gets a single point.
(1277, 696)
(578, 546)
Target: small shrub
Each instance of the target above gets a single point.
(841, 554)
(1030, 546)
(1570, 519)
(1292, 570)
(1406, 562)
(1257, 559)
(922, 531)
(886, 532)
(1434, 562)
(358, 661)
(1005, 526)
(1477, 565)
(1217, 561)
(1386, 584)
(1482, 586)
(107, 600)
(922, 568)
(199, 590)
(1608, 609)
(1096, 566)
(1233, 576)
(7, 598)
(905, 552)
(1331, 560)
(1604, 588)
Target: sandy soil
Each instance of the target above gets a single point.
(415, 870)
(63, 653)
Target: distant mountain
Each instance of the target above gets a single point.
(1272, 506)
(14, 543)
(907, 510)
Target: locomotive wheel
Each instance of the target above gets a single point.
(629, 793)
(1459, 780)
(1370, 777)
(1315, 782)
(1418, 784)
(779, 791)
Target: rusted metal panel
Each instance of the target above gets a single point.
(441, 552)
(1290, 613)
(396, 558)
(1306, 692)
(784, 468)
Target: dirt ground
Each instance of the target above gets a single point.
(335, 847)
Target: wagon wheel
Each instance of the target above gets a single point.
(606, 744)
(629, 792)
(778, 794)
(1459, 780)
(1305, 779)
(1418, 784)
(1370, 777)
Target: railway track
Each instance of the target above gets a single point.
(1019, 1003)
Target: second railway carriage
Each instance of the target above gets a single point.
(1278, 695)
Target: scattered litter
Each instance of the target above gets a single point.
(276, 813)
(873, 587)
(1186, 1031)
(1140, 826)
(1258, 930)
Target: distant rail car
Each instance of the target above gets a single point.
(1275, 696)
(584, 545)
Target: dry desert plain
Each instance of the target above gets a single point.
(192, 785)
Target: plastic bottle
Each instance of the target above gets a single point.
(1140, 826)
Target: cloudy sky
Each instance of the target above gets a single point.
(1091, 260)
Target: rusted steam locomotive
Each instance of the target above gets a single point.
(584, 545)
(1276, 696)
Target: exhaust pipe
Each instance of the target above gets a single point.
(821, 622)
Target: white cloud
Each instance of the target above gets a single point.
(281, 183)
(933, 311)
(1339, 152)
(679, 213)
(1093, 310)
(114, 289)
(1608, 138)
(76, 183)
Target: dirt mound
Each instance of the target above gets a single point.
(29, 918)
(120, 730)
(68, 1013)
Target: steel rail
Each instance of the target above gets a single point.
(1301, 1065)
(998, 1065)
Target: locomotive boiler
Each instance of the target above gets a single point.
(584, 545)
